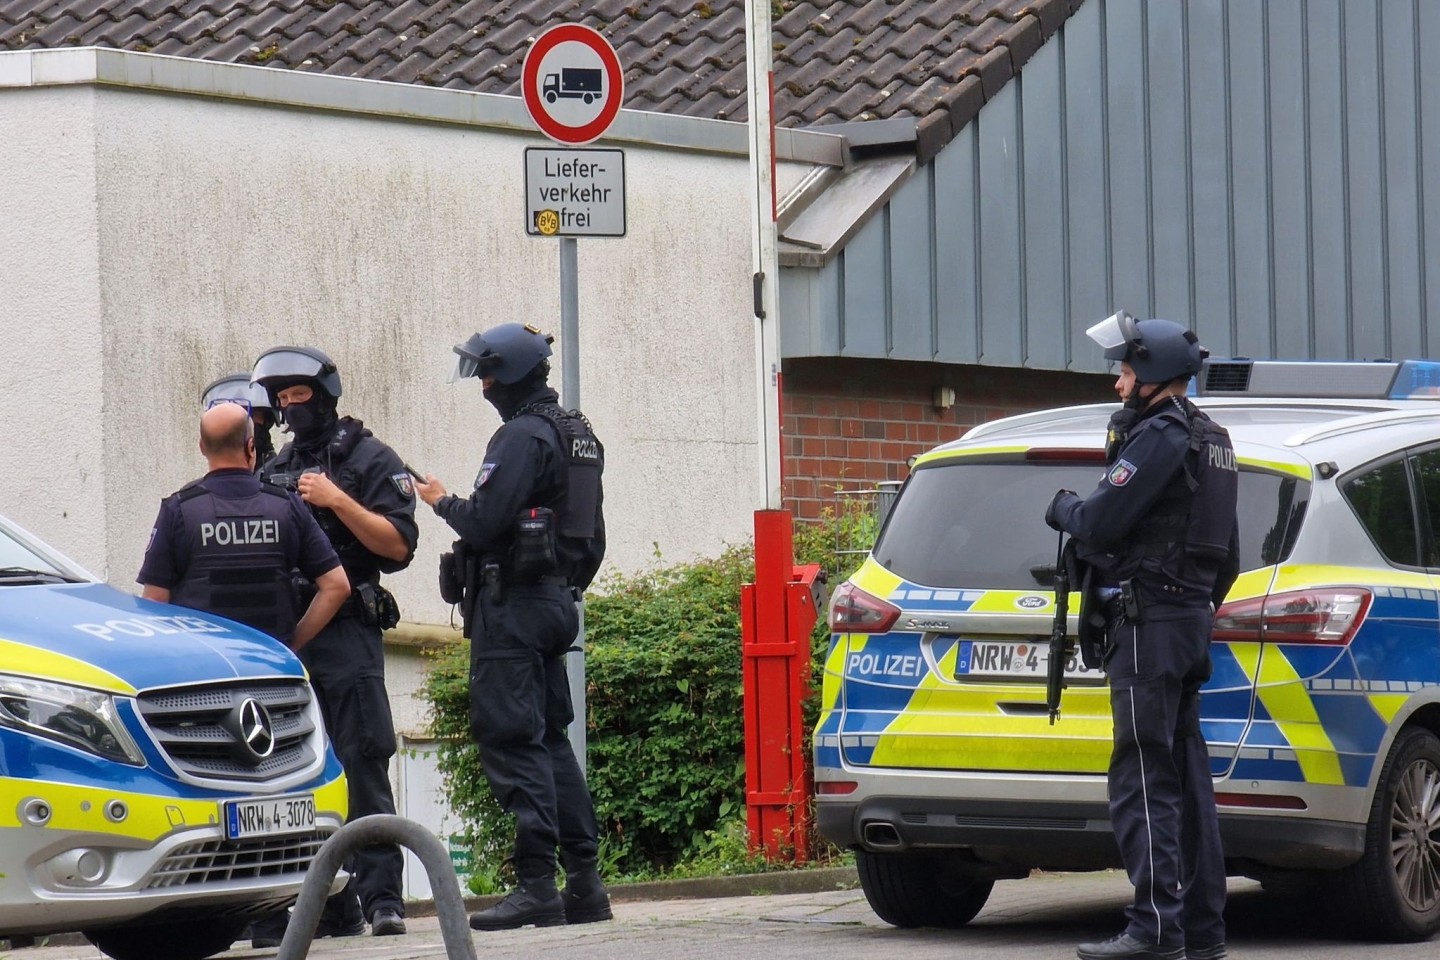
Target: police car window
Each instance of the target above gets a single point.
(982, 525)
(1381, 500)
(1270, 510)
(17, 558)
(1427, 477)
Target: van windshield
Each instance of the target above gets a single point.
(981, 525)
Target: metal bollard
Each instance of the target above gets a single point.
(380, 828)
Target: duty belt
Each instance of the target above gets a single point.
(352, 605)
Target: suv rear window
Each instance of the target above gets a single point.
(980, 524)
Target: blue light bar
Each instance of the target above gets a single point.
(1417, 380)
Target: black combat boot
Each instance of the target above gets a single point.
(535, 903)
(585, 896)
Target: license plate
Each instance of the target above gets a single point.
(1003, 659)
(269, 816)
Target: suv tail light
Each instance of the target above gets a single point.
(852, 610)
(1330, 616)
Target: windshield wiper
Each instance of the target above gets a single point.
(27, 575)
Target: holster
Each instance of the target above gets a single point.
(1091, 636)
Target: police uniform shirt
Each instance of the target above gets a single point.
(1151, 459)
(168, 555)
(375, 477)
(521, 470)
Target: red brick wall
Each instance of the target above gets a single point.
(847, 423)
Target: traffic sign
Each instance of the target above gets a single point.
(572, 83)
(574, 193)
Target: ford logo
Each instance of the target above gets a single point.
(1031, 603)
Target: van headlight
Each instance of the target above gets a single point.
(80, 718)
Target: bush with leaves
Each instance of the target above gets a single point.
(665, 742)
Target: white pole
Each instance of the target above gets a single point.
(763, 256)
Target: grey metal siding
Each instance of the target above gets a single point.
(1268, 173)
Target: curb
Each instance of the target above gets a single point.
(818, 880)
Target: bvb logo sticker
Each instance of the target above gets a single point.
(547, 222)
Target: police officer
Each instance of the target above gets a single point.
(227, 543)
(362, 496)
(236, 388)
(532, 535)
(1160, 536)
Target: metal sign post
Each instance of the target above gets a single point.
(573, 86)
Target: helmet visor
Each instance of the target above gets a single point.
(230, 388)
(286, 363)
(241, 401)
(1115, 335)
(464, 367)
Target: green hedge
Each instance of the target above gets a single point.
(666, 730)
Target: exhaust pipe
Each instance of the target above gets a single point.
(880, 835)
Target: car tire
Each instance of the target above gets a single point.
(187, 940)
(920, 889)
(1393, 892)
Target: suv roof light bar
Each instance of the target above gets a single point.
(1320, 379)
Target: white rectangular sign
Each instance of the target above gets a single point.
(574, 192)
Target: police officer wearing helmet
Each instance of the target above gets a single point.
(361, 494)
(226, 543)
(237, 388)
(1160, 537)
(532, 535)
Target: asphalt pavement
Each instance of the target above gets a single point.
(1041, 918)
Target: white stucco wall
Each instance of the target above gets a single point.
(53, 406)
(170, 239)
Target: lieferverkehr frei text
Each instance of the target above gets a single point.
(575, 192)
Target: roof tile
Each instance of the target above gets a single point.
(835, 60)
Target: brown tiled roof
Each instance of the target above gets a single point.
(935, 61)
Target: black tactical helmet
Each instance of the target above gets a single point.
(507, 352)
(282, 367)
(236, 386)
(1157, 350)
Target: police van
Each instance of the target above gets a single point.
(164, 773)
(935, 757)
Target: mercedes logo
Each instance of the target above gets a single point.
(257, 731)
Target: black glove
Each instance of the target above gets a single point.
(1050, 519)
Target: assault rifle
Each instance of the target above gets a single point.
(1060, 648)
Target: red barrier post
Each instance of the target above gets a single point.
(778, 611)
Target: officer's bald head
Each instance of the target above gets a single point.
(225, 434)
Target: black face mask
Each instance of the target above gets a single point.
(310, 421)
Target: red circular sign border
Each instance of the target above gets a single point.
(552, 128)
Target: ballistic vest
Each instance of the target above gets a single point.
(578, 507)
(238, 566)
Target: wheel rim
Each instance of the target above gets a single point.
(1415, 835)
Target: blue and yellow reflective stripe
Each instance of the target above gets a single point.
(22, 659)
(81, 809)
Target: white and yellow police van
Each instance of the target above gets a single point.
(164, 774)
(935, 759)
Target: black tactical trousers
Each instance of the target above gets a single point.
(519, 709)
(1162, 800)
(347, 668)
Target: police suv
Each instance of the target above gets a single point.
(935, 758)
(164, 773)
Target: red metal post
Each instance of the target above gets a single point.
(778, 611)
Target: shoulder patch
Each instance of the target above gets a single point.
(486, 469)
(1121, 473)
(403, 484)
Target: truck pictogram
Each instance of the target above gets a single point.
(583, 83)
